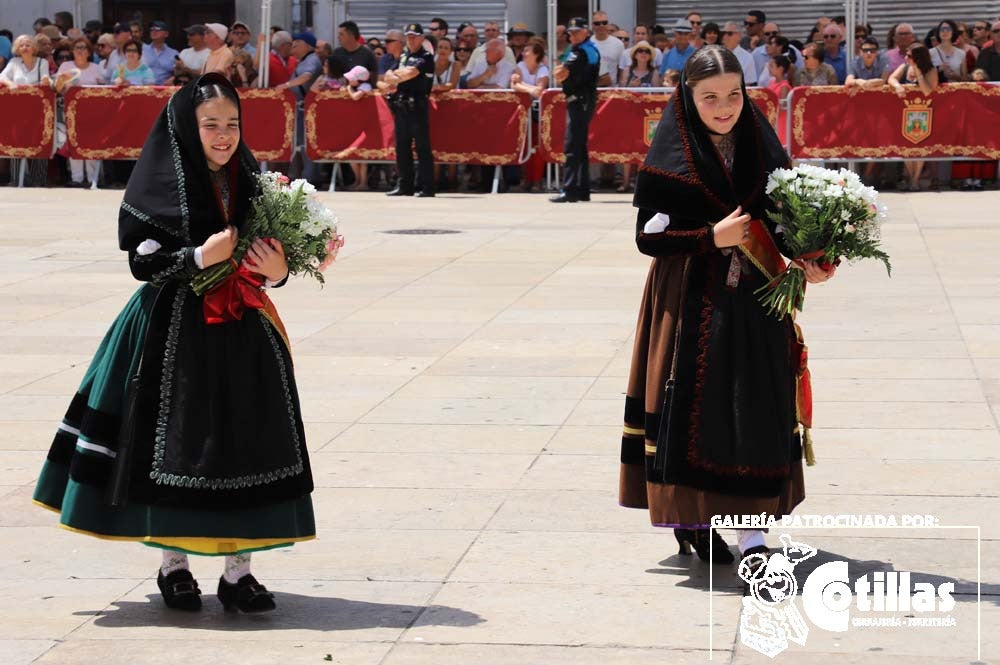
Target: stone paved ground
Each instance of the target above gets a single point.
(463, 398)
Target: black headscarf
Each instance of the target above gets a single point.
(684, 176)
(170, 197)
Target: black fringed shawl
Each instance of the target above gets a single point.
(684, 176)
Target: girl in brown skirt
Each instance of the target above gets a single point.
(724, 437)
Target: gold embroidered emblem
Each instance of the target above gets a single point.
(917, 116)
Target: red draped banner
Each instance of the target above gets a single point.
(112, 123)
(623, 124)
(956, 120)
(29, 113)
(467, 127)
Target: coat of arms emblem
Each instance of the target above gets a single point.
(651, 121)
(917, 116)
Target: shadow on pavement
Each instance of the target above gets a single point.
(295, 612)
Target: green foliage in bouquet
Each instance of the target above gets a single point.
(823, 215)
(287, 213)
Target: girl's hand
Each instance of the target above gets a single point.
(815, 274)
(733, 230)
(219, 246)
(267, 258)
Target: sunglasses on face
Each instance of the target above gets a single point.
(808, 57)
(79, 47)
(131, 50)
(831, 36)
(728, 32)
(995, 31)
(771, 33)
(64, 58)
(869, 50)
(600, 22)
(391, 41)
(944, 28)
(695, 22)
(749, 24)
(463, 49)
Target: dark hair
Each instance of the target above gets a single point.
(711, 60)
(352, 29)
(840, 20)
(441, 22)
(758, 14)
(783, 61)
(657, 30)
(812, 35)
(921, 57)
(930, 37)
(797, 44)
(445, 39)
(41, 22)
(781, 41)
(817, 51)
(65, 17)
(711, 26)
(952, 25)
(132, 42)
(870, 41)
(890, 37)
(7, 33)
(204, 93)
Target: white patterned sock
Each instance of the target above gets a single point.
(173, 561)
(749, 538)
(237, 566)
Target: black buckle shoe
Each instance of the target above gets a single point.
(180, 590)
(563, 198)
(248, 595)
(424, 194)
(399, 192)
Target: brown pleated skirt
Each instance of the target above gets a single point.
(673, 505)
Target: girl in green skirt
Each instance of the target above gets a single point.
(187, 435)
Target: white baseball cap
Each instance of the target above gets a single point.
(219, 29)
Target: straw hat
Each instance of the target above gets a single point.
(642, 45)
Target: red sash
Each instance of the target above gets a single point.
(761, 251)
(226, 300)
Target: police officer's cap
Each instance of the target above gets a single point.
(577, 23)
(414, 29)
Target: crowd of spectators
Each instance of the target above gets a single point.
(61, 56)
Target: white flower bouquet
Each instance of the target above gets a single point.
(286, 212)
(822, 215)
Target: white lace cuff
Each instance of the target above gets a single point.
(658, 223)
(147, 247)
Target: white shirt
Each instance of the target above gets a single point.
(611, 50)
(195, 60)
(18, 74)
(502, 76)
(532, 79)
(626, 60)
(746, 61)
(479, 54)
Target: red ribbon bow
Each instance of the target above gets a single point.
(227, 300)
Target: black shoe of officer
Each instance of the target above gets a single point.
(424, 194)
(563, 198)
(399, 192)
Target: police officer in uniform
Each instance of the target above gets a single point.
(412, 82)
(578, 77)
